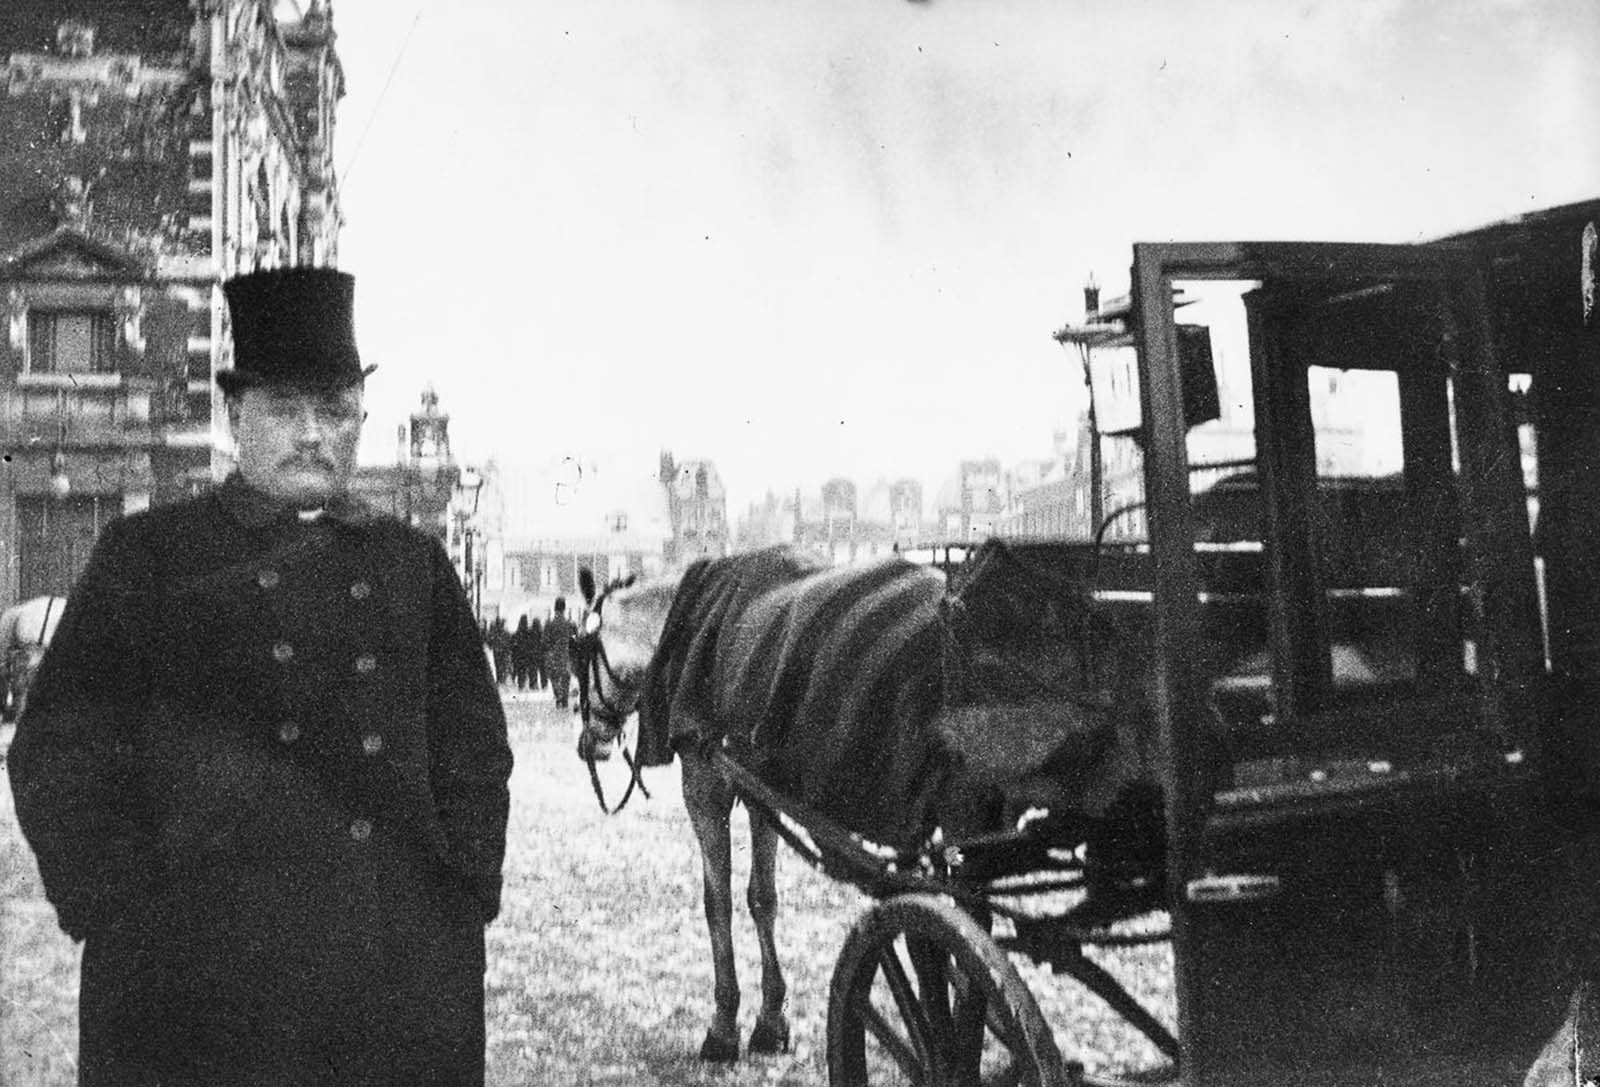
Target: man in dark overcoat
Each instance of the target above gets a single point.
(536, 654)
(263, 767)
(519, 653)
(557, 639)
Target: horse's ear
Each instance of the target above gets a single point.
(586, 584)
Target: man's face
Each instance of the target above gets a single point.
(298, 445)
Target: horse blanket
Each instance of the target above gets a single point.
(831, 684)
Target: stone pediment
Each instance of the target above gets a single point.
(68, 254)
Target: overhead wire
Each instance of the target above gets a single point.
(377, 106)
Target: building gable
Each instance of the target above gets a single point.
(66, 254)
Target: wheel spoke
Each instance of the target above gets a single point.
(905, 999)
(971, 1003)
(975, 1013)
(966, 1031)
(896, 1046)
(932, 964)
(949, 1009)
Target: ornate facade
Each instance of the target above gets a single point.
(697, 508)
(149, 149)
(420, 485)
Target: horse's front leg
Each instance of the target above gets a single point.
(771, 1033)
(710, 802)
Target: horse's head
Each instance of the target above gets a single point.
(612, 651)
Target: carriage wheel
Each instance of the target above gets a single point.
(921, 995)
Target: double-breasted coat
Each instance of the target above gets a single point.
(264, 769)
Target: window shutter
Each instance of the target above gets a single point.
(103, 343)
(41, 342)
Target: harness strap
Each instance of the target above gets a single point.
(634, 781)
(593, 659)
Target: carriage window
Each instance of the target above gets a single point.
(1386, 443)
(1355, 415)
(1366, 538)
(1108, 470)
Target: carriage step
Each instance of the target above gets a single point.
(1241, 887)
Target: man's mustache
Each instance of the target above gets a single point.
(307, 462)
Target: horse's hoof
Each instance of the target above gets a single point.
(770, 1038)
(718, 1050)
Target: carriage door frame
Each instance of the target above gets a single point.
(1179, 690)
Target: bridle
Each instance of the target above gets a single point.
(593, 671)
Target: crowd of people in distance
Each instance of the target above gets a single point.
(537, 655)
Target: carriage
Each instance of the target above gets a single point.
(1369, 630)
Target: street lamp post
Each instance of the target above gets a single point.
(1091, 312)
(1097, 330)
(469, 570)
(472, 559)
(477, 587)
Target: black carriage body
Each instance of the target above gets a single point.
(1374, 702)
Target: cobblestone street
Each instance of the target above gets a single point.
(599, 970)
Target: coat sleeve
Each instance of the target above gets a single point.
(469, 756)
(72, 763)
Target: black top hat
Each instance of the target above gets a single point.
(292, 326)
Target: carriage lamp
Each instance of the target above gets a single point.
(60, 482)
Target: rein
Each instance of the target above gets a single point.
(44, 625)
(591, 653)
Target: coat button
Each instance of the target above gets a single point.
(366, 664)
(268, 579)
(361, 829)
(360, 590)
(372, 743)
(283, 652)
(288, 732)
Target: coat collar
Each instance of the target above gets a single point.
(253, 508)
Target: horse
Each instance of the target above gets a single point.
(868, 693)
(25, 630)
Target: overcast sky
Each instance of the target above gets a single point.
(819, 237)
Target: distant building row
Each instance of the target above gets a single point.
(843, 524)
(538, 525)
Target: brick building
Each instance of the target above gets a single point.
(971, 502)
(697, 509)
(149, 149)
